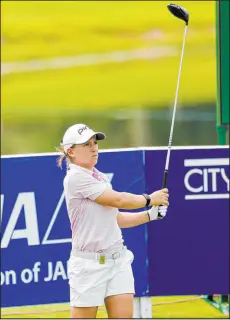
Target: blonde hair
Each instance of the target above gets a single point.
(62, 157)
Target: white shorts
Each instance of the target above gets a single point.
(91, 282)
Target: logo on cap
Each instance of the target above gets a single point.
(82, 129)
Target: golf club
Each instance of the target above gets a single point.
(179, 12)
(182, 14)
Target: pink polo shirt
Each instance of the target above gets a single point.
(94, 226)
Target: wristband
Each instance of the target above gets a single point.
(148, 199)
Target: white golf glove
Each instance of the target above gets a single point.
(157, 212)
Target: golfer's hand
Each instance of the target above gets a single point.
(162, 210)
(157, 212)
(159, 197)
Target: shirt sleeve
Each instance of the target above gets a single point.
(83, 185)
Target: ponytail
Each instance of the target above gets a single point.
(62, 157)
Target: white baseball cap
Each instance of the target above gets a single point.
(79, 134)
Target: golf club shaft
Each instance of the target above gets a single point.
(174, 114)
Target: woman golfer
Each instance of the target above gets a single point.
(99, 267)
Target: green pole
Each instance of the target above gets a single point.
(221, 130)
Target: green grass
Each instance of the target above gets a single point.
(51, 28)
(109, 86)
(191, 309)
(41, 29)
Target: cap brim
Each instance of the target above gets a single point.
(100, 136)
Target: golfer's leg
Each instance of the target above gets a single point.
(87, 287)
(83, 312)
(120, 289)
(84, 304)
(119, 306)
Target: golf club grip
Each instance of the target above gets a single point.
(165, 179)
(163, 186)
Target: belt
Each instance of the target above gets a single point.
(101, 257)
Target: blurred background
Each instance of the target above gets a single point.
(110, 64)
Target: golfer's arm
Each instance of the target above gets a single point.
(121, 200)
(132, 219)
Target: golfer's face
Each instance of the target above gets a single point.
(87, 153)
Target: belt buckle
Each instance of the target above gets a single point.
(116, 255)
(102, 259)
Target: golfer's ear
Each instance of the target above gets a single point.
(110, 198)
(69, 152)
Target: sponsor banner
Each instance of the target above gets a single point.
(35, 230)
(188, 251)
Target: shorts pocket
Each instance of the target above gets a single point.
(77, 267)
(130, 256)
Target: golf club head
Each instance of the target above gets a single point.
(179, 12)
